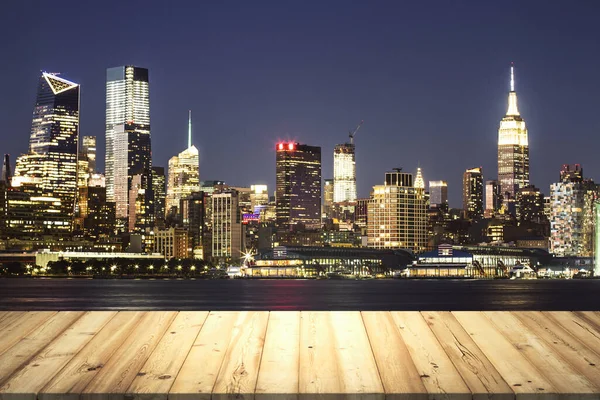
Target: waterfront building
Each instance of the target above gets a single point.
(397, 214)
(50, 166)
(438, 193)
(513, 148)
(128, 147)
(572, 202)
(473, 193)
(172, 243)
(298, 180)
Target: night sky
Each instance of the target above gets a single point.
(430, 79)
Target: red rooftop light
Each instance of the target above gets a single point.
(280, 146)
(291, 146)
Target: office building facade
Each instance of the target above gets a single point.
(473, 193)
(438, 193)
(128, 147)
(226, 223)
(344, 173)
(298, 181)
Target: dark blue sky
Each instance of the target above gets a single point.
(430, 79)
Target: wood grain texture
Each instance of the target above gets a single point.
(438, 374)
(278, 372)
(336, 360)
(116, 376)
(239, 370)
(29, 345)
(571, 349)
(522, 376)
(397, 371)
(199, 372)
(578, 327)
(7, 318)
(19, 325)
(78, 373)
(477, 371)
(34, 375)
(559, 373)
(158, 374)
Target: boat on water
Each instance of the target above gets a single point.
(522, 272)
(341, 274)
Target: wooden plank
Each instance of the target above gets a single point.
(560, 374)
(477, 371)
(17, 328)
(199, 372)
(578, 327)
(398, 373)
(440, 377)
(19, 354)
(239, 371)
(8, 316)
(572, 350)
(523, 377)
(28, 381)
(117, 374)
(336, 360)
(278, 372)
(76, 375)
(156, 376)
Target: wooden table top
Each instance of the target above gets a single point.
(293, 355)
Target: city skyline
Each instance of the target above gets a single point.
(395, 129)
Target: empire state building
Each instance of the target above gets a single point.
(513, 148)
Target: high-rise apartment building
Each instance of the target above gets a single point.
(128, 149)
(513, 148)
(172, 243)
(184, 174)
(226, 221)
(298, 180)
(572, 202)
(397, 214)
(530, 204)
(50, 167)
(438, 193)
(473, 193)
(344, 173)
(493, 198)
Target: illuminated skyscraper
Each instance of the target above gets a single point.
(184, 174)
(344, 173)
(298, 179)
(473, 193)
(127, 135)
(438, 193)
(397, 214)
(227, 238)
(88, 149)
(513, 148)
(328, 198)
(493, 198)
(51, 164)
(160, 193)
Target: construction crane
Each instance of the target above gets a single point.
(351, 134)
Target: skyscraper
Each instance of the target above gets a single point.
(88, 149)
(493, 198)
(51, 164)
(513, 148)
(184, 174)
(397, 214)
(298, 180)
(160, 193)
(227, 238)
(344, 173)
(6, 172)
(530, 204)
(438, 193)
(127, 134)
(473, 193)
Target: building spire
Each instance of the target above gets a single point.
(512, 95)
(189, 128)
(419, 182)
(512, 76)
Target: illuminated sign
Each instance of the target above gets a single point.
(246, 218)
